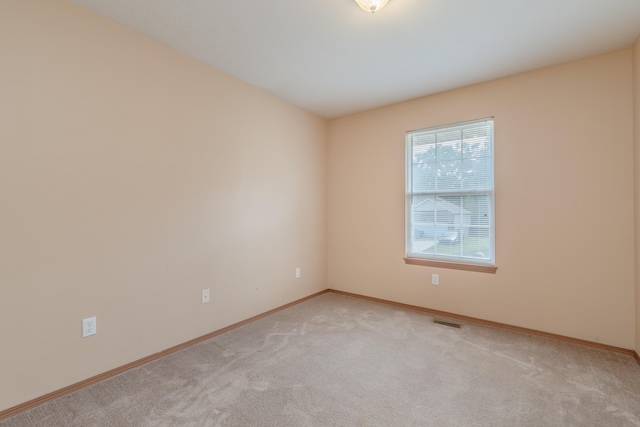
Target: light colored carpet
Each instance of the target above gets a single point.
(342, 361)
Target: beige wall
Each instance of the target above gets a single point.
(636, 136)
(131, 178)
(564, 202)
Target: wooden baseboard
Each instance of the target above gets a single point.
(637, 357)
(494, 324)
(15, 410)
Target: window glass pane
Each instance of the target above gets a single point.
(476, 174)
(424, 148)
(424, 178)
(449, 146)
(449, 175)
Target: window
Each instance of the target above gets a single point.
(449, 195)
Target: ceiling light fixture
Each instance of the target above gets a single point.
(371, 5)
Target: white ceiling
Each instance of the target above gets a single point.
(332, 58)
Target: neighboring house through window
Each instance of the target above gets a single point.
(450, 194)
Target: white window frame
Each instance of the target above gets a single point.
(486, 264)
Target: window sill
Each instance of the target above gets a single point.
(453, 265)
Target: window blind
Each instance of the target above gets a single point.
(450, 193)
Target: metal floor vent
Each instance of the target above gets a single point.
(450, 324)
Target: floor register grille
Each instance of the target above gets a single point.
(450, 324)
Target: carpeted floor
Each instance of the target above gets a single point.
(341, 361)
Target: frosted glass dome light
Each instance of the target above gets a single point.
(371, 5)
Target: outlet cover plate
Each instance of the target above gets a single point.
(205, 296)
(89, 327)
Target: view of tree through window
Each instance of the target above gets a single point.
(450, 193)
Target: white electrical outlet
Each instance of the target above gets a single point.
(297, 273)
(205, 296)
(435, 279)
(89, 327)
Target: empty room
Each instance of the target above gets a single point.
(319, 213)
